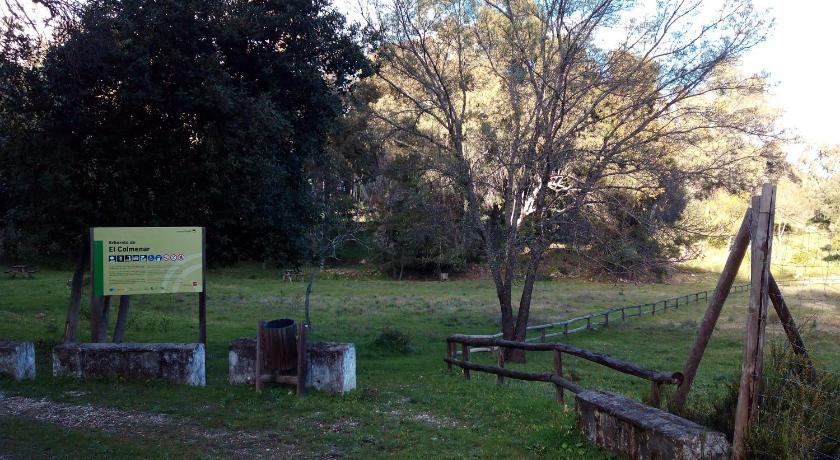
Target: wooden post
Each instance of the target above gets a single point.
(301, 359)
(202, 296)
(542, 335)
(122, 319)
(258, 365)
(465, 356)
(655, 393)
(751, 365)
(721, 292)
(622, 313)
(786, 318)
(450, 351)
(566, 329)
(558, 369)
(606, 319)
(500, 379)
(589, 322)
(102, 324)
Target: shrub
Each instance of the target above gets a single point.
(393, 340)
(797, 416)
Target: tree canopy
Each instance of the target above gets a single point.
(549, 133)
(209, 113)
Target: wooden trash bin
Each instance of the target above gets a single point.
(281, 353)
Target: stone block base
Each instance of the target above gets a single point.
(637, 431)
(331, 366)
(176, 362)
(17, 359)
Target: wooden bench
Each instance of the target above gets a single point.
(26, 270)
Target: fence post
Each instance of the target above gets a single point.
(558, 369)
(501, 378)
(565, 328)
(589, 322)
(653, 310)
(622, 313)
(606, 319)
(655, 392)
(465, 357)
(751, 365)
(542, 335)
(721, 292)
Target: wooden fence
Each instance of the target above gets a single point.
(656, 378)
(604, 317)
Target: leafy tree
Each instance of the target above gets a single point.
(420, 220)
(539, 125)
(213, 113)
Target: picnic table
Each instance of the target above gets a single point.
(27, 270)
(292, 274)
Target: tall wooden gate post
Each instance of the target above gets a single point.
(707, 326)
(751, 366)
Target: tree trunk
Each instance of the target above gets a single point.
(71, 325)
(503, 293)
(122, 319)
(308, 294)
(523, 313)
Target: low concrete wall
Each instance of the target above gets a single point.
(17, 359)
(637, 431)
(331, 366)
(175, 362)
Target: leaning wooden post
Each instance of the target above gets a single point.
(751, 365)
(707, 326)
(789, 325)
(465, 357)
(558, 369)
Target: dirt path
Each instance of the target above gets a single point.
(139, 425)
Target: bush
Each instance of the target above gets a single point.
(797, 416)
(393, 340)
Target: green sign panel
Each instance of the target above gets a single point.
(147, 260)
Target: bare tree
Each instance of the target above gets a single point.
(540, 113)
(37, 17)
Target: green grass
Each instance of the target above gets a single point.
(407, 404)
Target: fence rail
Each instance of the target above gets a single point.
(603, 318)
(657, 378)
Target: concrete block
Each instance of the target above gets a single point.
(17, 359)
(331, 366)
(175, 362)
(637, 431)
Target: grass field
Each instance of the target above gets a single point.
(407, 404)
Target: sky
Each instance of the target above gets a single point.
(799, 56)
(802, 60)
